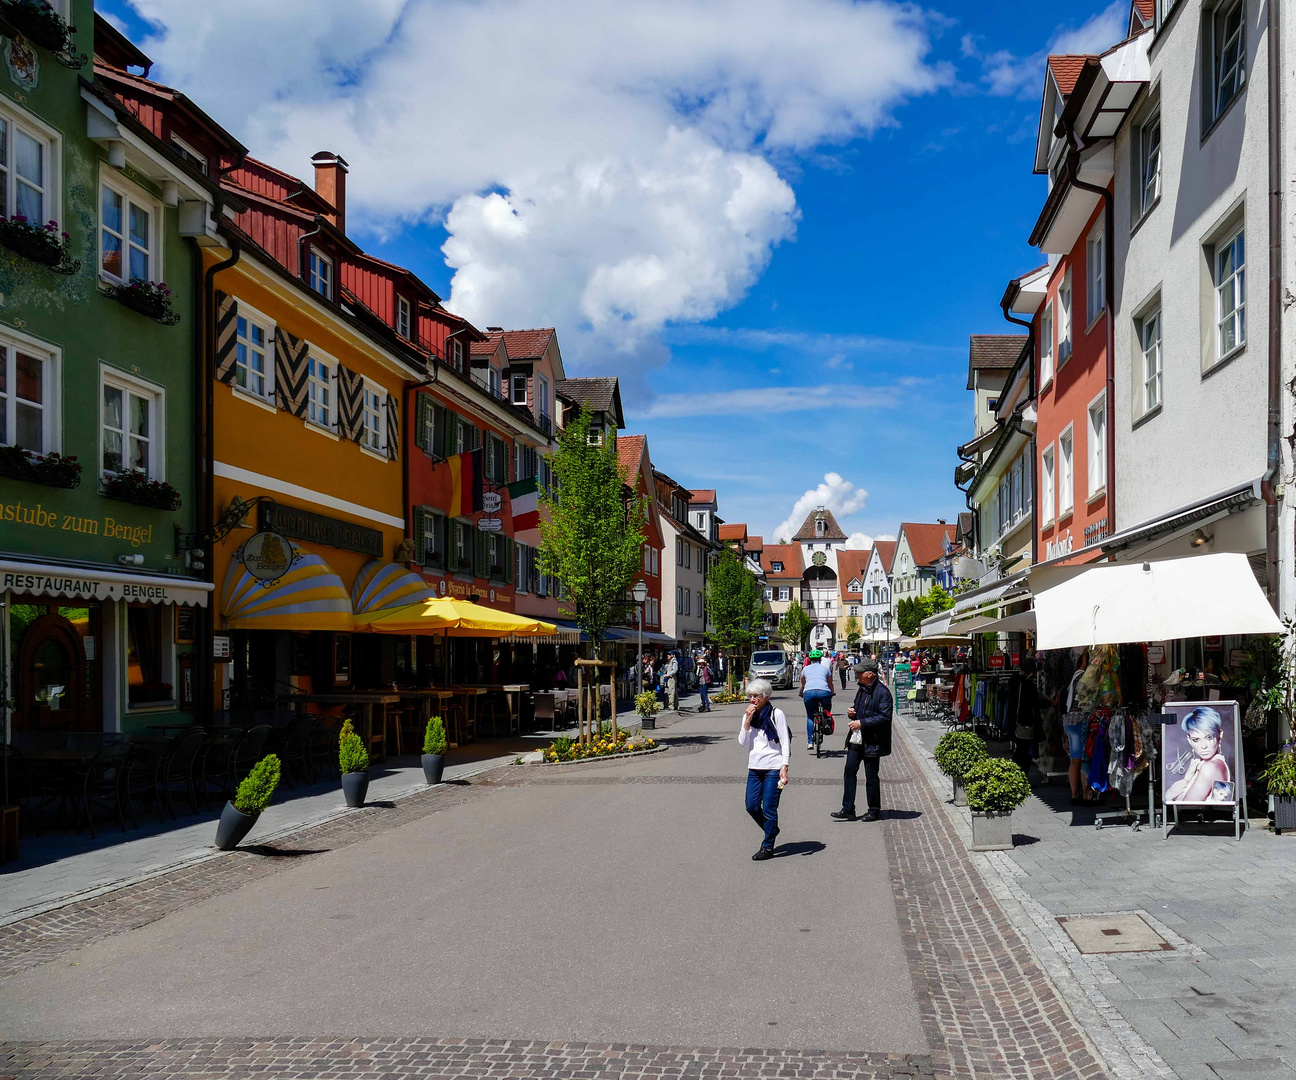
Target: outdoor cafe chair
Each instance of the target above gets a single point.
(216, 775)
(251, 750)
(293, 754)
(140, 776)
(323, 747)
(177, 767)
(99, 785)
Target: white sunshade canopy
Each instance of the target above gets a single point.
(1021, 623)
(1115, 603)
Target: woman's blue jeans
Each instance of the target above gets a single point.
(763, 795)
(810, 697)
(706, 698)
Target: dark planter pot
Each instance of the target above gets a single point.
(1284, 812)
(433, 767)
(355, 785)
(648, 722)
(233, 827)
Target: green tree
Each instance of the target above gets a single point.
(851, 627)
(795, 625)
(591, 532)
(936, 601)
(733, 604)
(907, 618)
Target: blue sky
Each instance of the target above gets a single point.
(703, 220)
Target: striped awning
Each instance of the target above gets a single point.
(309, 597)
(381, 585)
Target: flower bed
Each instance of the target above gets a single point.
(136, 488)
(55, 470)
(604, 745)
(44, 245)
(151, 298)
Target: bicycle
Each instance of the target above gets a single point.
(822, 726)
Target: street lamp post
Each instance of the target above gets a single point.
(640, 594)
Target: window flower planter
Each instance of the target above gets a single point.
(44, 245)
(150, 298)
(54, 470)
(43, 26)
(135, 488)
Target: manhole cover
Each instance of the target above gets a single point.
(1119, 933)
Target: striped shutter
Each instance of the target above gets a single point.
(350, 400)
(291, 362)
(226, 338)
(420, 536)
(422, 407)
(393, 428)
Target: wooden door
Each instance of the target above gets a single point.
(50, 676)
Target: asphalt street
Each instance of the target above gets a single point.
(612, 902)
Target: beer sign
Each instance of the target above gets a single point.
(267, 556)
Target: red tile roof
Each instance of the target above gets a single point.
(851, 564)
(630, 451)
(755, 543)
(527, 344)
(1066, 69)
(789, 555)
(886, 552)
(926, 540)
(832, 531)
(734, 532)
(702, 495)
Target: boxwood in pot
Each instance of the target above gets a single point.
(251, 799)
(1279, 778)
(995, 788)
(956, 753)
(434, 748)
(353, 763)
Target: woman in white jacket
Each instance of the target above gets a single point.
(765, 730)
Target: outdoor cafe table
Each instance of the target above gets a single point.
(512, 699)
(366, 703)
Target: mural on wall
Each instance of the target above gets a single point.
(20, 59)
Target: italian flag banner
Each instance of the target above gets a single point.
(525, 499)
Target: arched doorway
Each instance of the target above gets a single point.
(50, 670)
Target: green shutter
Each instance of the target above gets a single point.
(437, 449)
(509, 559)
(443, 540)
(481, 564)
(424, 403)
(420, 556)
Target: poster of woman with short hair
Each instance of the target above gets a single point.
(1200, 759)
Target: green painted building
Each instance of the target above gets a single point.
(109, 185)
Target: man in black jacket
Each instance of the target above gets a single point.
(870, 726)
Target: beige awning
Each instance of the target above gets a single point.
(80, 583)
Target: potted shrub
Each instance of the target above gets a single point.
(353, 761)
(956, 753)
(252, 797)
(1279, 778)
(995, 788)
(647, 706)
(434, 748)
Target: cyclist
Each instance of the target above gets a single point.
(816, 686)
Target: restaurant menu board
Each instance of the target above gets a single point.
(1201, 758)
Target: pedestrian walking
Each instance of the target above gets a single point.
(842, 665)
(765, 730)
(704, 684)
(868, 740)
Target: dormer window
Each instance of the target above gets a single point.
(188, 154)
(595, 435)
(403, 318)
(518, 389)
(819, 526)
(777, 567)
(456, 354)
(321, 274)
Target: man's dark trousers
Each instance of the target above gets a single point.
(872, 785)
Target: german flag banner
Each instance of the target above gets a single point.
(466, 472)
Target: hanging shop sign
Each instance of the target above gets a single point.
(220, 647)
(78, 583)
(492, 501)
(267, 556)
(298, 524)
(491, 524)
(1201, 758)
(997, 661)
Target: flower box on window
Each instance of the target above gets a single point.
(151, 298)
(42, 244)
(137, 488)
(39, 23)
(54, 470)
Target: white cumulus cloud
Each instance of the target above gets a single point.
(607, 168)
(858, 541)
(835, 493)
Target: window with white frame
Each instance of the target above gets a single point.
(188, 154)
(28, 385)
(456, 351)
(321, 274)
(497, 552)
(253, 367)
(518, 389)
(1230, 294)
(688, 602)
(319, 391)
(1064, 320)
(1066, 473)
(29, 170)
(403, 318)
(542, 396)
(785, 593)
(1149, 329)
(1149, 151)
(463, 552)
(494, 383)
(434, 538)
(1046, 344)
(128, 233)
(1096, 438)
(1095, 274)
(1047, 494)
(130, 426)
(1227, 51)
(679, 600)
(769, 593)
(373, 434)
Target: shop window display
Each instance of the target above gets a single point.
(146, 677)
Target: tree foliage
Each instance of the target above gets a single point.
(591, 534)
(910, 612)
(795, 625)
(733, 602)
(851, 628)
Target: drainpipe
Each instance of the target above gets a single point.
(1109, 298)
(1016, 420)
(205, 675)
(1273, 473)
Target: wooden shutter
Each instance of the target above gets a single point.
(417, 516)
(350, 404)
(481, 561)
(443, 541)
(226, 338)
(393, 428)
(438, 447)
(509, 560)
(422, 407)
(291, 364)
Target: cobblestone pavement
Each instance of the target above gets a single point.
(987, 1009)
(1220, 1005)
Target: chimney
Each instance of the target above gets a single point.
(330, 184)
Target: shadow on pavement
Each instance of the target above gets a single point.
(692, 740)
(800, 847)
(281, 853)
(903, 815)
(1022, 840)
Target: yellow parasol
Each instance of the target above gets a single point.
(455, 618)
